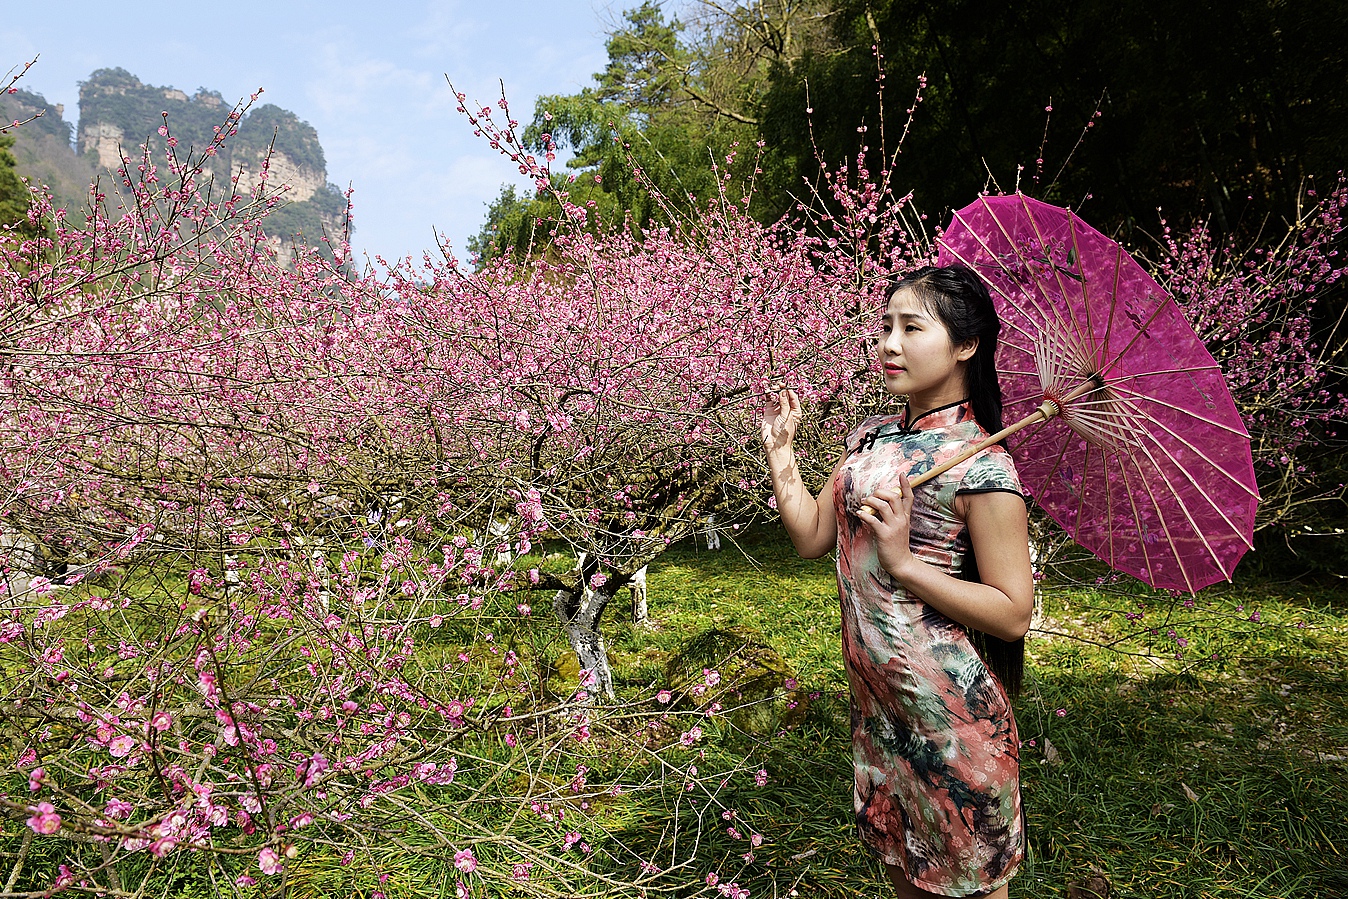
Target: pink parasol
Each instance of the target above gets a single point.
(1142, 456)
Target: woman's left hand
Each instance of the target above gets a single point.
(887, 513)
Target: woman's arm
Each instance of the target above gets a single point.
(1001, 605)
(810, 521)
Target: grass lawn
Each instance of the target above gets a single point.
(1173, 747)
(1173, 750)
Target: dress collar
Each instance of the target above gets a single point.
(940, 417)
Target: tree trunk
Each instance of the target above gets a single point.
(579, 616)
(18, 566)
(640, 611)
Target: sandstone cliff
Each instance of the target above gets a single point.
(119, 114)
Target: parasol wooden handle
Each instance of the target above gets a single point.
(1046, 410)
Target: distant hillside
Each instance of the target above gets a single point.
(118, 113)
(43, 148)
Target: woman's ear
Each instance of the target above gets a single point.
(966, 349)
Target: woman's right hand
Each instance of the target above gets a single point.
(781, 417)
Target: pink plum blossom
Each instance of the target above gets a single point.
(269, 861)
(45, 820)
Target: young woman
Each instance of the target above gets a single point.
(934, 744)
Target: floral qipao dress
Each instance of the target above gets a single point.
(933, 740)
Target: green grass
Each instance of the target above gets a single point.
(1180, 750)
(1249, 719)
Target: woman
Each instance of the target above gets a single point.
(934, 743)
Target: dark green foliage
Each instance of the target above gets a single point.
(639, 75)
(745, 660)
(13, 194)
(1207, 109)
(639, 115)
(507, 228)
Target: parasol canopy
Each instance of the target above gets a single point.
(1141, 454)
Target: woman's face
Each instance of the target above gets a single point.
(917, 356)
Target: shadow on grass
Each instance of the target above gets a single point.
(1183, 786)
(1221, 783)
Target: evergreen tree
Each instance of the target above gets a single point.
(13, 192)
(674, 100)
(1221, 110)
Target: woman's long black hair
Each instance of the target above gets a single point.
(960, 300)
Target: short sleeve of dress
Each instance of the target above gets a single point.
(991, 472)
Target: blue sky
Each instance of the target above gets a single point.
(370, 77)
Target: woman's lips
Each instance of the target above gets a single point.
(892, 369)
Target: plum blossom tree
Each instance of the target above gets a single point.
(264, 631)
(1261, 310)
(627, 368)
